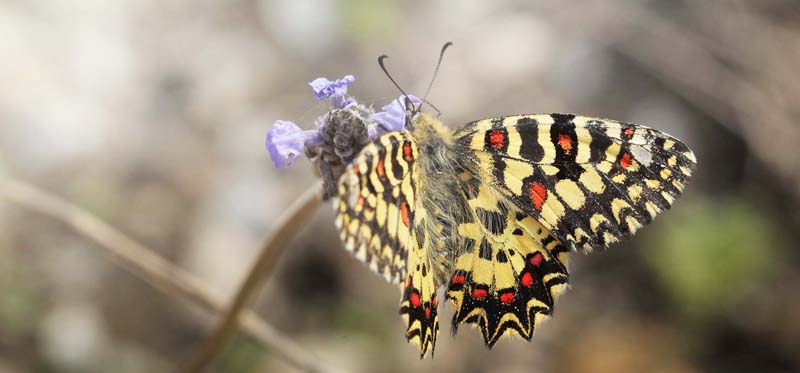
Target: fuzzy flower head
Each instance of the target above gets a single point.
(340, 133)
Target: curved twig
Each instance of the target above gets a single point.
(291, 222)
(150, 267)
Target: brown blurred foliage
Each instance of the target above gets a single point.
(152, 115)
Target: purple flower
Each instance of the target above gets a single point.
(393, 116)
(286, 141)
(339, 133)
(335, 90)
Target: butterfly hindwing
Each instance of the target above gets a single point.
(506, 282)
(590, 181)
(373, 193)
(419, 306)
(377, 211)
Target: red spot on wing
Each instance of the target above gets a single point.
(625, 161)
(435, 302)
(538, 193)
(507, 297)
(536, 259)
(527, 279)
(380, 168)
(360, 201)
(565, 142)
(479, 293)
(628, 132)
(414, 299)
(427, 312)
(458, 280)
(407, 153)
(497, 140)
(404, 214)
(356, 170)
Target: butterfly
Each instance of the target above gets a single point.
(492, 210)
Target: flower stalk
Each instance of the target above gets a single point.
(288, 225)
(146, 264)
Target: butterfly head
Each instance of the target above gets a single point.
(411, 111)
(426, 126)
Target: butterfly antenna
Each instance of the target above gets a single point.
(405, 95)
(435, 72)
(383, 67)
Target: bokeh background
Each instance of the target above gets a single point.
(152, 115)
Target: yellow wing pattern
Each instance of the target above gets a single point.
(540, 186)
(377, 212)
(590, 181)
(508, 281)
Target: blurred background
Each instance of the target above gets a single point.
(152, 115)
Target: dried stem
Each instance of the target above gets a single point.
(292, 221)
(150, 267)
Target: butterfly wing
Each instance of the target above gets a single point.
(377, 215)
(590, 181)
(507, 282)
(541, 185)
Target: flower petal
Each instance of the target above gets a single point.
(393, 116)
(341, 102)
(286, 141)
(324, 88)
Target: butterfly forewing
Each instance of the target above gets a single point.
(590, 181)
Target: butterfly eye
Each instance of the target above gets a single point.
(410, 111)
(410, 108)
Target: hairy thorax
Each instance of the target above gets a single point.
(440, 175)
